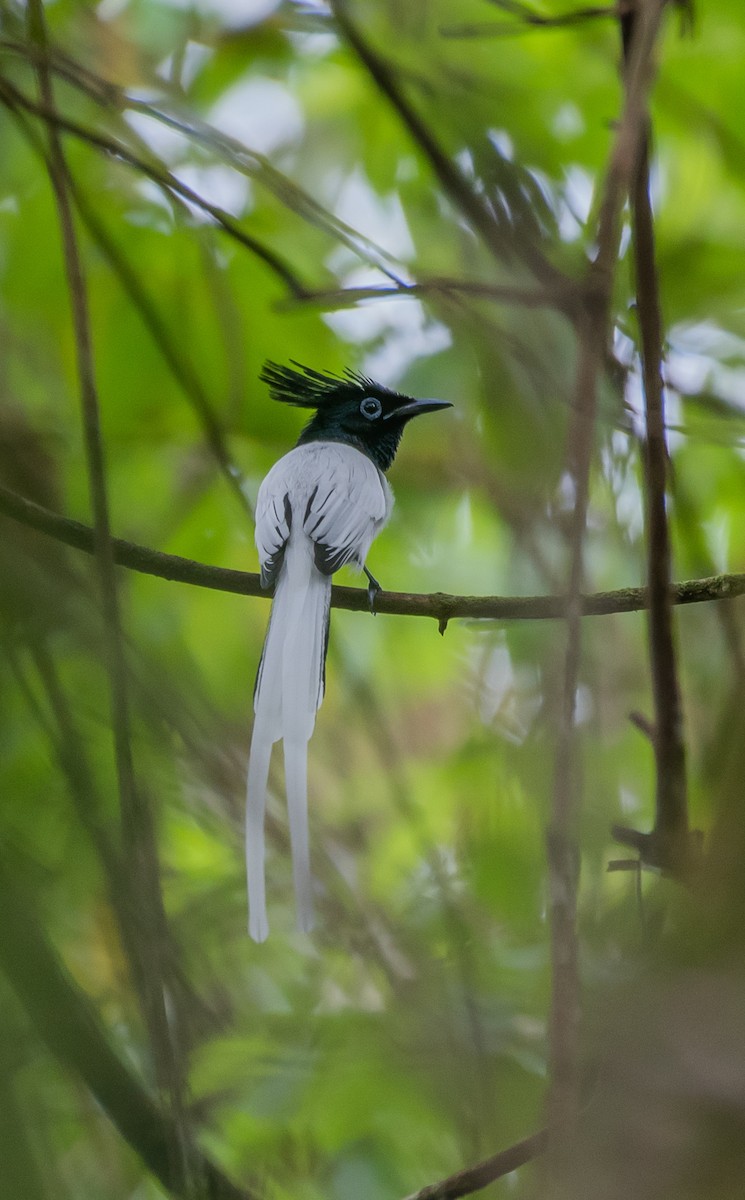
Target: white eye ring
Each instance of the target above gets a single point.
(371, 408)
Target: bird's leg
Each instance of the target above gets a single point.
(372, 590)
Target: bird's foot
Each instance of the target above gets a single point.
(372, 590)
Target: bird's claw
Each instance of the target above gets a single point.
(373, 588)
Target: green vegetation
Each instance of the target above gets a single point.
(452, 197)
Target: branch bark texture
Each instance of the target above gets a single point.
(473, 1179)
(671, 809)
(438, 606)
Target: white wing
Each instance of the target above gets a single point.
(336, 495)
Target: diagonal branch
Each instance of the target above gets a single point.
(473, 1179)
(67, 1022)
(439, 606)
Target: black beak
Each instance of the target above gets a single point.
(415, 408)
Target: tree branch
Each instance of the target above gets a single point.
(439, 606)
(67, 1022)
(473, 1179)
(671, 832)
(566, 296)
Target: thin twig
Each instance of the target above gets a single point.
(438, 606)
(565, 297)
(473, 1179)
(527, 19)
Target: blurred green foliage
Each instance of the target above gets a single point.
(408, 1036)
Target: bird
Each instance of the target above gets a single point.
(318, 509)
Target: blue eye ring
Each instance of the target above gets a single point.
(371, 408)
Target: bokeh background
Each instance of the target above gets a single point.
(244, 178)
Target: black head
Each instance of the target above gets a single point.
(349, 408)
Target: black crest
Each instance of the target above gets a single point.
(306, 388)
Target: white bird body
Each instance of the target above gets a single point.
(319, 508)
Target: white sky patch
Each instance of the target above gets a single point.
(380, 218)
(673, 417)
(313, 44)
(695, 362)
(464, 159)
(108, 10)
(400, 324)
(234, 14)
(565, 493)
(218, 185)
(584, 706)
(155, 196)
(634, 398)
(575, 203)
(410, 336)
(568, 122)
(628, 801)
(504, 698)
(502, 142)
(629, 507)
(168, 143)
(261, 113)
(193, 58)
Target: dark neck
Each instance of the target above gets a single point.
(381, 449)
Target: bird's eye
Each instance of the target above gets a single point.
(371, 408)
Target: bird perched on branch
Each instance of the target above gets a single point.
(318, 509)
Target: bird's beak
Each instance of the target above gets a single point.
(414, 408)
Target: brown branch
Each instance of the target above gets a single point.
(438, 606)
(671, 809)
(566, 296)
(562, 847)
(449, 175)
(473, 1179)
(67, 1022)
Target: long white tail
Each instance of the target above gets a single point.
(289, 690)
